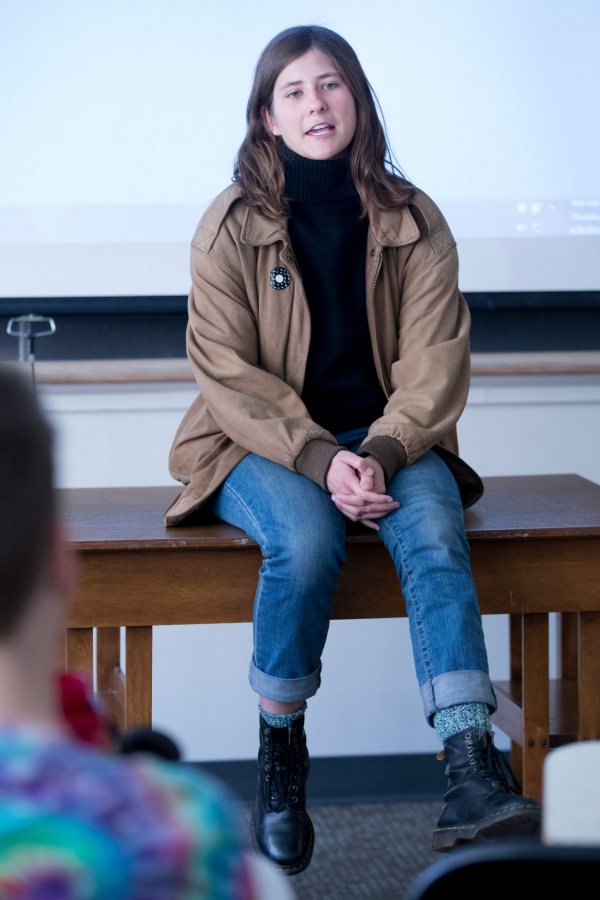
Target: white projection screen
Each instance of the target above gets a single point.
(120, 120)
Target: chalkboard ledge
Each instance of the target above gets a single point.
(139, 371)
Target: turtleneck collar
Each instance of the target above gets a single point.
(316, 179)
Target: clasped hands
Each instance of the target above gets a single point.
(357, 487)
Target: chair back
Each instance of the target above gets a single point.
(508, 866)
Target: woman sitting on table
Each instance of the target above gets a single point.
(330, 342)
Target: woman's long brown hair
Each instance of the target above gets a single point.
(258, 168)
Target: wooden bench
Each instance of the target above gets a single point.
(535, 544)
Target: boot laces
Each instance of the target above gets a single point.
(494, 767)
(284, 766)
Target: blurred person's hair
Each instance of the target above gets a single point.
(27, 497)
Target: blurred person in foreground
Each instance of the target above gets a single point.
(76, 819)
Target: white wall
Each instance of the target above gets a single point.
(119, 435)
(465, 86)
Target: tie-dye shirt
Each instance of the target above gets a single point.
(79, 824)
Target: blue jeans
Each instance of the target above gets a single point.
(302, 538)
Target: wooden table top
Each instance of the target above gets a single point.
(512, 507)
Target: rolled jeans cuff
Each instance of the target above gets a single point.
(284, 690)
(452, 688)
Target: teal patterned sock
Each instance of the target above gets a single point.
(281, 720)
(457, 718)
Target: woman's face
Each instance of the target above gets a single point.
(313, 110)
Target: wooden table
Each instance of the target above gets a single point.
(535, 544)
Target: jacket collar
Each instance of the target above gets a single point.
(393, 229)
(258, 229)
(390, 229)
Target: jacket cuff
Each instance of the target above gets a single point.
(387, 450)
(315, 459)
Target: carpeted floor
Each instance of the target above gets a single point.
(368, 850)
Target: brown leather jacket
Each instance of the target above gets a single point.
(248, 337)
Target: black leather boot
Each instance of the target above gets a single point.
(281, 828)
(483, 800)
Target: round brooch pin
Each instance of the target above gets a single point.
(279, 278)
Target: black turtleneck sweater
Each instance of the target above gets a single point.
(341, 390)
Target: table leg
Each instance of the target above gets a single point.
(589, 676)
(138, 677)
(536, 725)
(79, 650)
